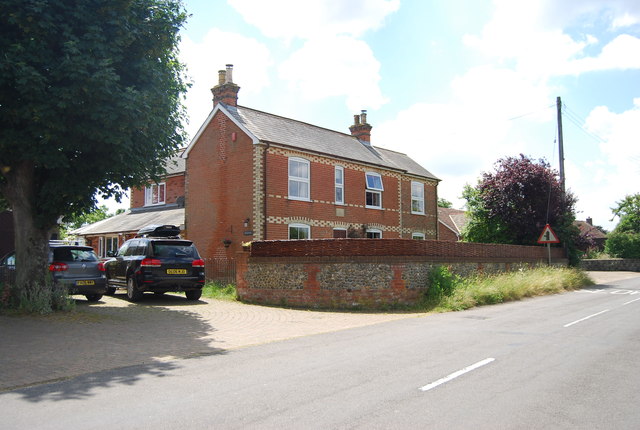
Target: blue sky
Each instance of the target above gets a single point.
(455, 84)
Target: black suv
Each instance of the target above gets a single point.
(156, 260)
(74, 266)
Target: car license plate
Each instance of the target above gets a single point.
(176, 271)
(85, 282)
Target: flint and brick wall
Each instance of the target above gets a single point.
(366, 273)
(612, 264)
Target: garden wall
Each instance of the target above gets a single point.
(612, 264)
(366, 273)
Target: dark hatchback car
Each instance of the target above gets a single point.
(74, 266)
(157, 261)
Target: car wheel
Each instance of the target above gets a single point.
(193, 294)
(111, 291)
(93, 297)
(133, 294)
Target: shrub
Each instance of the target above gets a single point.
(442, 283)
(53, 297)
(623, 245)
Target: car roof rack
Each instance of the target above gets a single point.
(156, 230)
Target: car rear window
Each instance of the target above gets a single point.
(174, 249)
(74, 254)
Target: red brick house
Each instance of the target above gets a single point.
(451, 222)
(252, 175)
(157, 203)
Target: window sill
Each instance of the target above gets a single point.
(299, 199)
(417, 213)
(374, 207)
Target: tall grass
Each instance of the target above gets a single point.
(490, 289)
(215, 290)
(45, 299)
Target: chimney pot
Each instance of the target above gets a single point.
(363, 117)
(589, 220)
(229, 74)
(356, 120)
(226, 91)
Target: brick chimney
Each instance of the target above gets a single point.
(226, 91)
(360, 128)
(589, 220)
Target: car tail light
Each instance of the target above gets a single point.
(150, 262)
(101, 267)
(198, 263)
(58, 267)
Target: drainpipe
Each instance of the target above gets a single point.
(264, 192)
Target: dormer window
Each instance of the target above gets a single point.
(373, 192)
(154, 194)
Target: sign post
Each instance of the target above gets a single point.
(548, 237)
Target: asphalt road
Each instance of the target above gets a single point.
(564, 361)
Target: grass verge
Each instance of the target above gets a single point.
(448, 292)
(215, 290)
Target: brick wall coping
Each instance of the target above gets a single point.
(398, 247)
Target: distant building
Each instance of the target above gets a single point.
(157, 203)
(451, 223)
(587, 229)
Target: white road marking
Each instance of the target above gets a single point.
(585, 318)
(456, 374)
(630, 302)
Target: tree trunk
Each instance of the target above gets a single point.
(31, 239)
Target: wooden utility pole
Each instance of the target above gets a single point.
(560, 146)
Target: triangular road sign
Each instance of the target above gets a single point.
(548, 235)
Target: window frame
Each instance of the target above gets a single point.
(418, 199)
(299, 179)
(373, 231)
(373, 190)
(420, 236)
(338, 186)
(148, 194)
(106, 244)
(300, 226)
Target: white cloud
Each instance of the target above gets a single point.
(620, 54)
(251, 60)
(308, 19)
(626, 20)
(335, 66)
(616, 172)
(531, 35)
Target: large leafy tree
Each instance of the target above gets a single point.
(512, 204)
(90, 101)
(628, 209)
(624, 241)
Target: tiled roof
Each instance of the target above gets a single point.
(285, 131)
(455, 219)
(176, 165)
(586, 228)
(132, 221)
